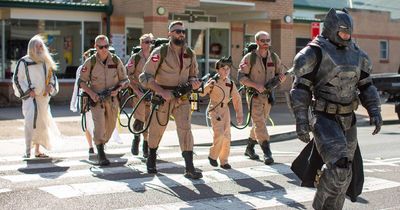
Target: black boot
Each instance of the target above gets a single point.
(250, 149)
(101, 156)
(267, 153)
(145, 149)
(135, 145)
(151, 161)
(190, 171)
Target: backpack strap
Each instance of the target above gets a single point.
(253, 59)
(274, 58)
(164, 51)
(230, 91)
(92, 64)
(136, 58)
(163, 54)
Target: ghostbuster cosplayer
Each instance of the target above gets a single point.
(170, 66)
(134, 68)
(331, 73)
(257, 69)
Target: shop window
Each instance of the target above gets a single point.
(92, 29)
(64, 41)
(17, 35)
(132, 38)
(219, 45)
(384, 50)
(301, 43)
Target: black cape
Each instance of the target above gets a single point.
(305, 166)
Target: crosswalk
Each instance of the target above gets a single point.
(68, 177)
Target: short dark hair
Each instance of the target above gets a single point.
(174, 23)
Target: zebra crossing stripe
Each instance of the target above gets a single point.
(163, 180)
(4, 190)
(127, 156)
(130, 168)
(293, 196)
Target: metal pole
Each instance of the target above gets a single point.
(3, 49)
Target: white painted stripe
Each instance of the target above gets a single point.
(110, 170)
(266, 199)
(4, 190)
(163, 181)
(127, 155)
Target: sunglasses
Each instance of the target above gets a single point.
(179, 31)
(104, 46)
(149, 42)
(265, 40)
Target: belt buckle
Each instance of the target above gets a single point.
(331, 108)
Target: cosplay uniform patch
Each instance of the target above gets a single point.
(155, 58)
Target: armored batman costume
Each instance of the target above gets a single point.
(332, 74)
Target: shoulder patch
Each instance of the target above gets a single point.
(131, 63)
(84, 69)
(155, 58)
(243, 65)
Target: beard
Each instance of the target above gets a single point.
(178, 42)
(38, 57)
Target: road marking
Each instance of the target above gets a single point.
(4, 190)
(59, 159)
(129, 168)
(293, 196)
(163, 180)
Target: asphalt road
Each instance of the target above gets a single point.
(69, 181)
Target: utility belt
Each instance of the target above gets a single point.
(323, 105)
(269, 94)
(255, 93)
(181, 92)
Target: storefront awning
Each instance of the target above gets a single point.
(55, 5)
(232, 10)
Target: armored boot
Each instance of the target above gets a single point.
(135, 145)
(267, 153)
(145, 149)
(151, 161)
(101, 156)
(250, 149)
(190, 171)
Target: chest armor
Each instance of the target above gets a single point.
(338, 74)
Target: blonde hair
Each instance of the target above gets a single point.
(33, 54)
(145, 36)
(101, 37)
(258, 34)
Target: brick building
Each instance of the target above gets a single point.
(215, 28)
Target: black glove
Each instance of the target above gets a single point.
(303, 132)
(376, 119)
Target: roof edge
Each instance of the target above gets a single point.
(56, 6)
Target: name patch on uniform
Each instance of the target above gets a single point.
(155, 58)
(270, 64)
(243, 65)
(185, 55)
(112, 66)
(84, 69)
(228, 85)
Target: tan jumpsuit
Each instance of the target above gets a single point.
(171, 73)
(260, 73)
(104, 76)
(220, 93)
(143, 111)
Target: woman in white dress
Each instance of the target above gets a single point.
(34, 81)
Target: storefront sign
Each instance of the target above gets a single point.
(118, 42)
